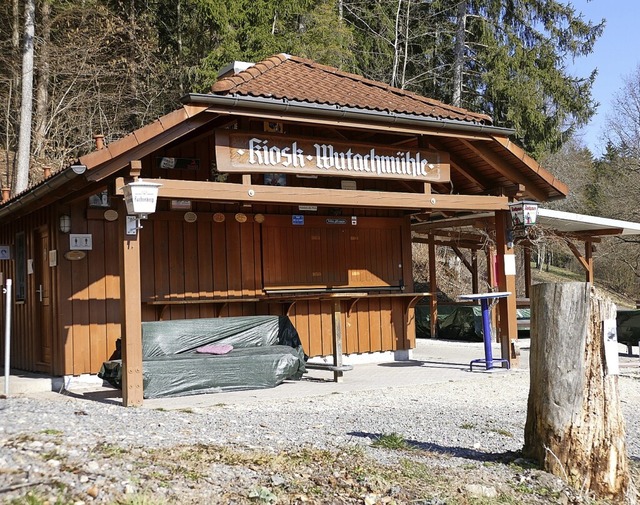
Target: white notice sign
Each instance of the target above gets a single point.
(509, 264)
(610, 335)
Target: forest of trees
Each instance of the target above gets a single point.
(70, 69)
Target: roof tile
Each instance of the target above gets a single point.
(289, 77)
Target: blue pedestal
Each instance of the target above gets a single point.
(488, 361)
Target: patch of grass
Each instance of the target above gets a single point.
(390, 441)
(110, 450)
(187, 410)
(500, 431)
(416, 470)
(262, 495)
(52, 431)
(467, 426)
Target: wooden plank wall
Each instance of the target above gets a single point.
(204, 259)
(317, 254)
(27, 351)
(213, 259)
(89, 295)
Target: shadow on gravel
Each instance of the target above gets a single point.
(109, 396)
(425, 364)
(458, 452)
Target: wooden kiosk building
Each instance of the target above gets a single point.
(288, 184)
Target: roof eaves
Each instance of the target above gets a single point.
(544, 174)
(270, 104)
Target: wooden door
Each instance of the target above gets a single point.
(43, 319)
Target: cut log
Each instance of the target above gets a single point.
(575, 427)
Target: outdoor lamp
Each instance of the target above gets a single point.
(141, 198)
(64, 224)
(523, 214)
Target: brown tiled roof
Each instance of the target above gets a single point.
(292, 78)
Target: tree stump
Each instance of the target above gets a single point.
(574, 427)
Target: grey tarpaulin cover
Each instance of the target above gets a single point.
(628, 326)
(266, 351)
(456, 322)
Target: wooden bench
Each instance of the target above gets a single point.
(328, 367)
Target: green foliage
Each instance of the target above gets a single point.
(512, 59)
(390, 441)
(116, 65)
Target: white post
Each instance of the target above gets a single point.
(7, 335)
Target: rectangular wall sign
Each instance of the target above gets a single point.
(80, 241)
(264, 153)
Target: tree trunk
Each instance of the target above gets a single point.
(574, 426)
(396, 47)
(42, 88)
(458, 63)
(26, 107)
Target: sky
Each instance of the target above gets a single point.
(616, 56)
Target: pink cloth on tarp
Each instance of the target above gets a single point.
(215, 349)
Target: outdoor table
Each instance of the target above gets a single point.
(484, 298)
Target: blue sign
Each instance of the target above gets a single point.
(297, 219)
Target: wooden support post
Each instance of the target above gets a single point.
(507, 282)
(585, 260)
(131, 312)
(491, 271)
(433, 288)
(475, 281)
(337, 340)
(588, 256)
(575, 427)
(527, 269)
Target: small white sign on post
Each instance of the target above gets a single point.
(610, 337)
(509, 264)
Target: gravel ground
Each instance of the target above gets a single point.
(58, 447)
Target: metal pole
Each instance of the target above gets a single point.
(7, 335)
(486, 333)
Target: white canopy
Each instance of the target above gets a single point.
(581, 223)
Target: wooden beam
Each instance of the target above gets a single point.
(585, 260)
(590, 234)
(458, 164)
(449, 243)
(140, 150)
(535, 167)
(285, 195)
(429, 226)
(462, 257)
(459, 235)
(576, 236)
(503, 168)
(465, 245)
(366, 123)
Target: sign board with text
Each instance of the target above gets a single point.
(264, 153)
